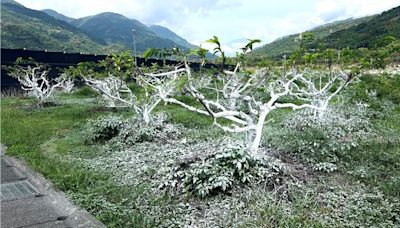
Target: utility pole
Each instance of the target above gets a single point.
(134, 45)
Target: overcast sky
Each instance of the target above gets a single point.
(230, 20)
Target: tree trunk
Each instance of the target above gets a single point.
(318, 113)
(255, 144)
(146, 116)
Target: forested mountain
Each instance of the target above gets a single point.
(25, 28)
(116, 29)
(168, 34)
(290, 43)
(102, 33)
(369, 33)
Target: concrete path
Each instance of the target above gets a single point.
(28, 200)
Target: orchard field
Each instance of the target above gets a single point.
(282, 145)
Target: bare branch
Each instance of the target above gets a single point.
(236, 100)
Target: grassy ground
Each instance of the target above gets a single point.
(363, 192)
(27, 131)
(31, 133)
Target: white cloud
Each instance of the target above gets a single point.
(355, 8)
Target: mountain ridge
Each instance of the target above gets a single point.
(113, 28)
(58, 15)
(102, 33)
(26, 28)
(367, 34)
(169, 34)
(287, 44)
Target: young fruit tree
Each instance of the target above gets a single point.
(245, 100)
(110, 78)
(112, 89)
(67, 84)
(34, 79)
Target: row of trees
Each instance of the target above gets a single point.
(366, 58)
(384, 52)
(243, 100)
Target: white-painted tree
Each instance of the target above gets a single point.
(110, 77)
(247, 99)
(67, 83)
(34, 79)
(112, 89)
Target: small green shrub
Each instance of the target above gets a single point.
(124, 132)
(322, 139)
(159, 130)
(103, 128)
(231, 167)
(85, 92)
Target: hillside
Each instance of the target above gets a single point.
(11, 2)
(57, 15)
(367, 34)
(116, 29)
(168, 34)
(102, 33)
(287, 44)
(26, 28)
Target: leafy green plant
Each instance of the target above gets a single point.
(247, 48)
(218, 49)
(159, 130)
(124, 132)
(230, 168)
(103, 128)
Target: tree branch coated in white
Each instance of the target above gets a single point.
(246, 100)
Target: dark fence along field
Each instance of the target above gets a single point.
(60, 60)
